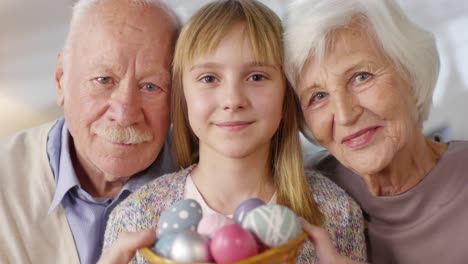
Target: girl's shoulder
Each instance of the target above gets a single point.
(141, 209)
(166, 187)
(343, 216)
(332, 200)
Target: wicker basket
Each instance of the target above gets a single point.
(285, 253)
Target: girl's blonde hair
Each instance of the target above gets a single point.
(200, 36)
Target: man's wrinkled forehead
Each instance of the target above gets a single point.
(123, 18)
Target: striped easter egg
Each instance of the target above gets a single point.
(272, 224)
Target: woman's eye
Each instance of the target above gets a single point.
(104, 80)
(317, 97)
(361, 77)
(208, 79)
(257, 77)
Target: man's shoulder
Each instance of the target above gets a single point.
(24, 149)
(24, 165)
(25, 139)
(26, 179)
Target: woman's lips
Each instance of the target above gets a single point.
(361, 138)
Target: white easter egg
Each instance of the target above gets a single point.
(272, 224)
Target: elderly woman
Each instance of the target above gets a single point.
(365, 74)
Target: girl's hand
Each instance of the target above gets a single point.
(323, 245)
(125, 247)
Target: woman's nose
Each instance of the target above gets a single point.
(346, 108)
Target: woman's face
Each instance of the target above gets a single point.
(234, 104)
(356, 104)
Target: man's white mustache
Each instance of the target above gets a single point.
(122, 135)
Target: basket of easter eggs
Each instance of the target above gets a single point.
(256, 233)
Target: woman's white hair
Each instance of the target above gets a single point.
(310, 23)
(82, 6)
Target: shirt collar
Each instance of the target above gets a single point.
(58, 148)
(65, 176)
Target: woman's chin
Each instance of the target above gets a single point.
(365, 165)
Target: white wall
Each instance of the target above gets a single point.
(31, 33)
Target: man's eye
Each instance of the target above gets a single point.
(150, 87)
(104, 80)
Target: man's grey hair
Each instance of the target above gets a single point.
(82, 6)
(310, 23)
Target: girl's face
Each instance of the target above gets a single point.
(234, 104)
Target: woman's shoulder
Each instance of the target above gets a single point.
(457, 150)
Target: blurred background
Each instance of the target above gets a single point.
(31, 33)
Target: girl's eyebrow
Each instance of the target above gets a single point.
(262, 64)
(220, 65)
(206, 65)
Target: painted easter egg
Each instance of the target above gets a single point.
(163, 245)
(232, 243)
(272, 224)
(189, 246)
(209, 224)
(182, 215)
(244, 208)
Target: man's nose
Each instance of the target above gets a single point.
(126, 106)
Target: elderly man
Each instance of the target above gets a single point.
(60, 181)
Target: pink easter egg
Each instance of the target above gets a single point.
(232, 243)
(209, 224)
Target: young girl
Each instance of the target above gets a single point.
(235, 132)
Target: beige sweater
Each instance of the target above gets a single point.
(28, 234)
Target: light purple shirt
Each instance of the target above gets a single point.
(86, 215)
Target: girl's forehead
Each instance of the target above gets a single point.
(265, 49)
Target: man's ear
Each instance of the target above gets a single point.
(58, 78)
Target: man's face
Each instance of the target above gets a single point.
(115, 88)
